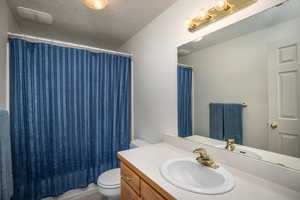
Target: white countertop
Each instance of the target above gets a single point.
(148, 160)
(288, 161)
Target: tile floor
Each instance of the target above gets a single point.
(92, 196)
(89, 193)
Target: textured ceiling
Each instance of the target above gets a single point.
(110, 27)
(268, 18)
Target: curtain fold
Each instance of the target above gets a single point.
(184, 92)
(233, 122)
(70, 115)
(216, 121)
(6, 182)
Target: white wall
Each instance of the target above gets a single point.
(47, 31)
(7, 23)
(155, 58)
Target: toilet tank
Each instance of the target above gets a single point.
(138, 143)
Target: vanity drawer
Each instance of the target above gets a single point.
(131, 178)
(127, 193)
(148, 193)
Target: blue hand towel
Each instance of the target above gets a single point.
(6, 182)
(216, 120)
(233, 122)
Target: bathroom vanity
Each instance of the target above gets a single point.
(142, 177)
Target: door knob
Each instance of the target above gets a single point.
(274, 125)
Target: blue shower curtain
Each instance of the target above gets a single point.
(6, 182)
(184, 92)
(70, 115)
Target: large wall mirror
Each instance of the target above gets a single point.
(243, 83)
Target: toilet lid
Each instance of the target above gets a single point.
(110, 178)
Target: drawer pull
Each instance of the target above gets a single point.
(131, 178)
(127, 178)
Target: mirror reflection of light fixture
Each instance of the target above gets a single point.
(188, 22)
(221, 5)
(221, 9)
(96, 4)
(203, 14)
(198, 39)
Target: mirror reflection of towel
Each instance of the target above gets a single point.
(226, 121)
(233, 122)
(216, 121)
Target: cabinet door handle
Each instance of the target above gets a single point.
(127, 178)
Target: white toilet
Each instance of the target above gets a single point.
(109, 181)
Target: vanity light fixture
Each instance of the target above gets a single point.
(203, 14)
(188, 22)
(222, 5)
(221, 9)
(96, 4)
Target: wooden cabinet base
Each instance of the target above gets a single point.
(127, 193)
(148, 193)
(136, 186)
(130, 177)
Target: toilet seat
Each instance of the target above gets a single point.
(110, 179)
(109, 182)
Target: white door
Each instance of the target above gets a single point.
(284, 97)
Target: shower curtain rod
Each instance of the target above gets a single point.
(186, 66)
(65, 44)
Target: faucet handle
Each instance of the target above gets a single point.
(202, 152)
(230, 144)
(204, 158)
(230, 141)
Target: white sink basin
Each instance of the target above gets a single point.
(188, 174)
(242, 151)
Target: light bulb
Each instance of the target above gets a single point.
(188, 22)
(221, 5)
(96, 4)
(203, 14)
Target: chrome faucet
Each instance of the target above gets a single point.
(230, 145)
(204, 159)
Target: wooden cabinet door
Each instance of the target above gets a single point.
(127, 193)
(148, 193)
(131, 178)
